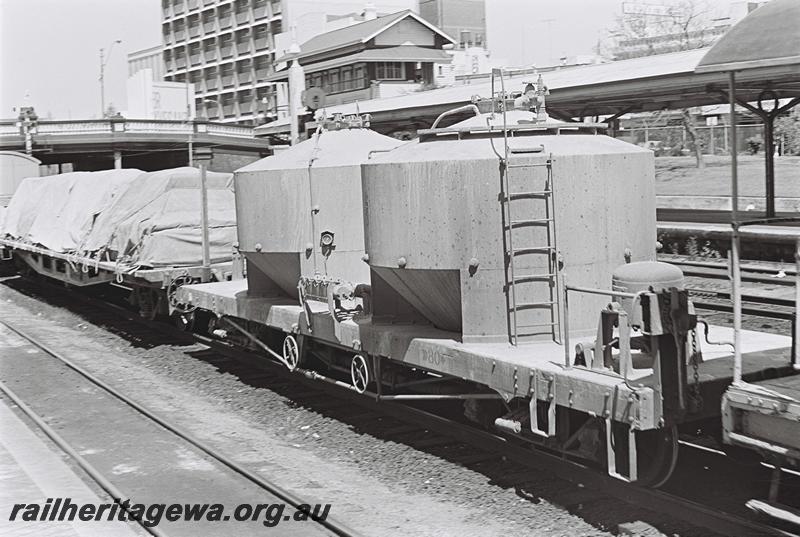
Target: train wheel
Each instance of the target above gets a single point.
(359, 373)
(291, 353)
(657, 454)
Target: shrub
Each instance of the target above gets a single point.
(754, 144)
(788, 128)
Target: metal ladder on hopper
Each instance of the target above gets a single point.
(513, 277)
(513, 251)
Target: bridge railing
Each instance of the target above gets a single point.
(122, 125)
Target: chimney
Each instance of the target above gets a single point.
(369, 11)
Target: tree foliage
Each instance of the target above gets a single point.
(673, 26)
(676, 25)
(787, 128)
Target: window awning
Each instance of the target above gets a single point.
(402, 53)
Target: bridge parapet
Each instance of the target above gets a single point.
(10, 128)
(117, 125)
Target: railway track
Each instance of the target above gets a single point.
(328, 525)
(423, 429)
(765, 274)
(754, 305)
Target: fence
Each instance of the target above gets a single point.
(674, 140)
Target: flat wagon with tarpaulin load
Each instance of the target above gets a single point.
(140, 230)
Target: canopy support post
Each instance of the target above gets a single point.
(769, 162)
(734, 254)
(768, 117)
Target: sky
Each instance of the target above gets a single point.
(49, 49)
(539, 32)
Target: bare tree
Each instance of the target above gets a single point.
(657, 29)
(669, 27)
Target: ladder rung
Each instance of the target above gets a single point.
(532, 305)
(532, 250)
(524, 223)
(532, 334)
(533, 278)
(528, 195)
(536, 325)
(534, 165)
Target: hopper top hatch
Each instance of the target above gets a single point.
(517, 123)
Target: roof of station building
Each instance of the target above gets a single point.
(360, 33)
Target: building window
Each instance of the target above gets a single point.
(347, 78)
(389, 71)
(338, 80)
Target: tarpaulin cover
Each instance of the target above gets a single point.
(148, 219)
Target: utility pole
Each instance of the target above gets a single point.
(190, 122)
(28, 120)
(103, 62)
(297, 83)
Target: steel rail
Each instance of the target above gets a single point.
(331, 524)
(572, 471)
(722, 274)
(787, 267)
(756, 299)
(720, 271)
(85, 465)
(746, 310)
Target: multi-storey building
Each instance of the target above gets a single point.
(464, 20)
(150, 58)
(227, 48)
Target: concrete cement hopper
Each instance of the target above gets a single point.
(300, 211)
(478, 225)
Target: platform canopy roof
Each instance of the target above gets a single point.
(767, 37)
(766, 43)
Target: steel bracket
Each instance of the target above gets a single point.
(551, 406)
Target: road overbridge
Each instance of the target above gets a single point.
(132, 143)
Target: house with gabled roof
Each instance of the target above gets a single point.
(385, 56)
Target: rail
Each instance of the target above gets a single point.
(334, 526)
